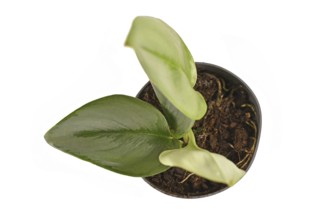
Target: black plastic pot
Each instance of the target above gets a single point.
(230, 79)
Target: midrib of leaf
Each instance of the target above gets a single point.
(165, 59)
(106, 133)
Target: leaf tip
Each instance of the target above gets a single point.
(201, 107)
(130, 36)
(48, 138)
(239, 175)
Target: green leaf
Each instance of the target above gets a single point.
(168, 64)
(178, 122)
(119, 133)
(211, 166)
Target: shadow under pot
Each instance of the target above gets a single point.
(231, 127)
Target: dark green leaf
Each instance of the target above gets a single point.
(119, 133)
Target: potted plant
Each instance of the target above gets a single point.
(192, 131)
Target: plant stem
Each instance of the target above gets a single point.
(192, 140)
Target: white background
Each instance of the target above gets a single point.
(58, 55)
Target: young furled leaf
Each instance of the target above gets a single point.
(178, 122)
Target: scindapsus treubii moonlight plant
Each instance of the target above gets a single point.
(129, 136)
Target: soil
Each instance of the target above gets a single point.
(229, 128)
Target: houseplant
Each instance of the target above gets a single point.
(129, 136)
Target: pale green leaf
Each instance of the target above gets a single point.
(211, 166)
(168, 64)
(119, 133)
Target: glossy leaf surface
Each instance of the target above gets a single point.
(119, 133)
(168, 64)
(211, 166)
